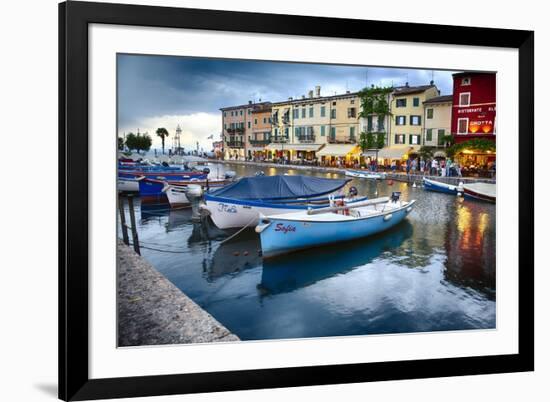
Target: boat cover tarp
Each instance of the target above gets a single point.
(279, 187)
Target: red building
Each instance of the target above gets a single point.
(474, 111)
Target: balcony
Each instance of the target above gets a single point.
(306, 138)
(342, 140)
(235, 130)
(234, 143)
(279, 139)
(255, 142)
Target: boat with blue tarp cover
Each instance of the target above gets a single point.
(241, 203)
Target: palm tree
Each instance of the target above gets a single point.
(162, 133)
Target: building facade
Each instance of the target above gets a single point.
(304, 129)
(474, 106)
(437, 120)
(237, 129)
(407, 114)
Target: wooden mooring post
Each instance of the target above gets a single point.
(124, 225)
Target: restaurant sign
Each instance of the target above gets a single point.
(480, 118)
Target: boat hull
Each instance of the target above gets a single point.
(127, 185)
(177, 197)
(365, 175)
(227, 213)
(283, 235)
(432, 185)
(473, 195)
(151, 190)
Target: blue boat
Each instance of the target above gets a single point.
(240, 204)
(152, 189)
(285, 233)
(440, 187)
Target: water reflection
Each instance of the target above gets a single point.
(301, 269)
(435, 271)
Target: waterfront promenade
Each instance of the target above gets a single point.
(397, 176)
(152, 311)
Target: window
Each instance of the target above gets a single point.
(295, 113)
(224, 114)
(415, 120)
(255, 121)
(440, 137)
(369, 123)
(276, 131)
(231, 113)
(225, 125)
(322, 131)
(351, 112)
(248, 124)
(333, 103)
(286, 132)
(465, 81)
(429, 114)
(323, 111)
(333, 113)
(414, 139)
(401, 103)
(429, 134)
(241, 112)
(311, 111)
(303, 113)
(249, 112)
(399, 138)
(265, 120)
(462, 125)
(416, 102)
(352, 101)
(333, 132)
(352, 133)
(464, 99)
(400, 120)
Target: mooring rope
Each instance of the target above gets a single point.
(239, 231)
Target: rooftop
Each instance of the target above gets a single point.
(407, 90)
(440, 99)
(247, 105)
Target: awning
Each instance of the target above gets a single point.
(276, 147)
(371, 153)
(338, 150)
(395, 152)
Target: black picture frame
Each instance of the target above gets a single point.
(74, 18)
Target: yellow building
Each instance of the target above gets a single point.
(407, 123)
(308, 128)
(437, 120)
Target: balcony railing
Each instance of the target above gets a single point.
(257, 142)
(306, 138)
(235, 144)
(235, 130)
(279, 139)
(342, 140)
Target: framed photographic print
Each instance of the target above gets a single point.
(258, 200)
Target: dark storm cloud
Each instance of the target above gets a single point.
(164, 85)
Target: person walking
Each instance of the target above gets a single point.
(422, 165)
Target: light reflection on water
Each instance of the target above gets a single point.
(435, 271)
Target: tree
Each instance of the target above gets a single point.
(370, 140)
(426, 152)
(478, 144)
(363, 144)
(138, 142)
(380, 140)
(120, 142)
(162, 133)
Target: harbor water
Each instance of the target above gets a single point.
(433, 272)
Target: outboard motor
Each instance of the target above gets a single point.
(353, 191)
(230, 174)
(206, 170)
(259, 173)
(165, 164)
(395, 196)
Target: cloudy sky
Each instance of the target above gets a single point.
(164, 91)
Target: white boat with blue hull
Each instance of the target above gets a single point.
(281, 234)
(440, 187)
(360, 174)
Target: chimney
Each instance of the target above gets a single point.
(310, 94)
(317, 91)
(431, 82)
(250, 102)
(407, 84)
(290, 98)
(303, 96)
(348, 92)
